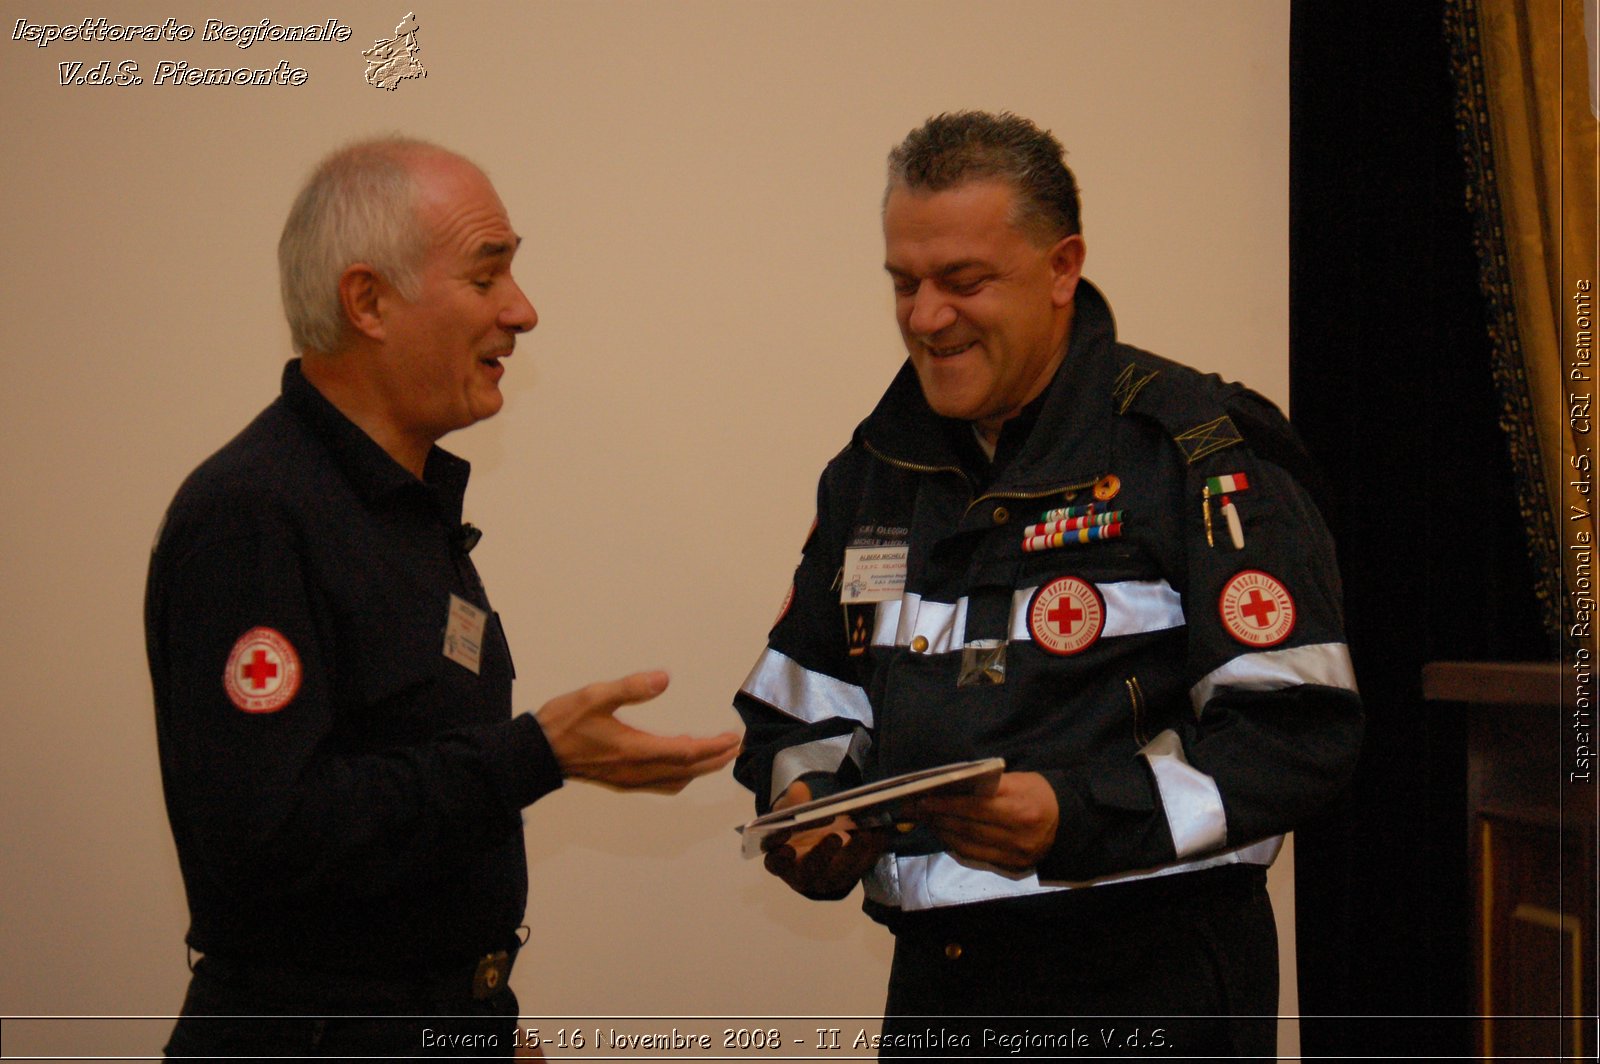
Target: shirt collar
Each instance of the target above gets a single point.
(370, 470)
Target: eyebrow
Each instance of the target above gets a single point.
(943, 271)
(495, 250)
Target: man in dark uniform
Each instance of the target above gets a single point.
(343, 771)
(1099, 565)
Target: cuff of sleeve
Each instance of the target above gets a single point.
(1115, 799)
(538, 771)
(1072, 824)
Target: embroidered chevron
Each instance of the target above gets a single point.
(1209, 438)
(1127, 385)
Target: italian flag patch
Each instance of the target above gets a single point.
(1230, 483)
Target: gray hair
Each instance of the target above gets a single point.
(359, 205)
(958, 147)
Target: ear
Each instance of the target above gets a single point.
(362, 293)
(1066, 265)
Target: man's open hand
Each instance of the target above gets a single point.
(592, 744)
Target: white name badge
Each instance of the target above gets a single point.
(463, 634)
(874, 574)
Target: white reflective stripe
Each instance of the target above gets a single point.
(1133, 607)
(936, 880)
(823, 755)
(1261, 853)
(1190, 797)
(885, 622)
(942, 624)
(938, 622)
(958, 625)
(909, 604)
(1019, 614)
(882, 881)
(1325, 664)
(810, 696)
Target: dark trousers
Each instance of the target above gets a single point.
(1175, 967)
(245, 1011)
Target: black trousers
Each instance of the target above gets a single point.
(1182, 966)
(247, 1011)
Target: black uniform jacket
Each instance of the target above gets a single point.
(1189, 699)
(342, 795)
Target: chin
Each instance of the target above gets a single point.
(484, 413)
(952, 406)
(940, 398)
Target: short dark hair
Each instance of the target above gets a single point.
(961, 146)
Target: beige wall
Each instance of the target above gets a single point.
(698, 184)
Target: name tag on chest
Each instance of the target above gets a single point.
(463, 634)
(873, 574)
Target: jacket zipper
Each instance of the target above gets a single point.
(917, 467)
(1029, 494)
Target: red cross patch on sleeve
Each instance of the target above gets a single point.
(1256, 609)
(263, 672)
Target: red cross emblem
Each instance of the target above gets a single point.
(1256, 609)
(1066, 616)
(263, 672)
(260, 670)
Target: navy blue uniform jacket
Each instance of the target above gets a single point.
(342, 795)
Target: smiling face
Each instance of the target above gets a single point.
(441, 352)
(984, 310)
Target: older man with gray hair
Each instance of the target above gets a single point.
(343, 771)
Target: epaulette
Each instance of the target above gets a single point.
(1190, 406)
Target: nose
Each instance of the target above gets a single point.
(930, 312)
(518, 315)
